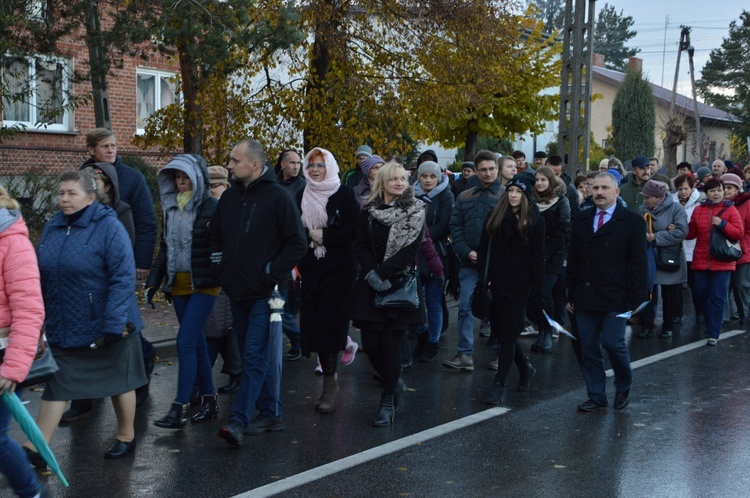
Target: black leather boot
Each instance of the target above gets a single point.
(524, 381)
(543, 343)
(386, 411)
(421, 346)
(175, 419)
(209, 409)
(495, 394)
(398, 397)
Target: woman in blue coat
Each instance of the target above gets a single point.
(88, 283)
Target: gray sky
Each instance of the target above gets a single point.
(709, 20)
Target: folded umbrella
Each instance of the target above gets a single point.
(275, 346)
(29, 427)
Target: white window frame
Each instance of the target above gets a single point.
(34, 121)
(157, 91)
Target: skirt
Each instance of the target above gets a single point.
(97, 373)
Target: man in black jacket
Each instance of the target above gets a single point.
(257, 238)
(607, 275)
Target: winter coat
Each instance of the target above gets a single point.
(327, 281)
(608, 269)
(743, 207)
(631, 194)
(134, 191)
(122, 208)
(257, 237)
(458, 186)
(370, 247)
(429, 263)
(200, 211)
(571, 193)
(439, 204)
(469, 214)
(88, 278)
(665, 214)
(556, 231)
(21, 303)
(695, 198)
(700, 227)
(293, 185)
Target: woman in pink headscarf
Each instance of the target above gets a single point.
(329, 215)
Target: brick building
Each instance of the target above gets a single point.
(135, 91)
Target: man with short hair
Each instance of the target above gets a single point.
(467, 171)
(571, 193)
(289, 177)
(540, 157)
(467, 222)
(607, 274)
(521, 163)
(354, 176)
(684, 168)
(631, 191)
(256, 239)
(653, 164)
(718, 168)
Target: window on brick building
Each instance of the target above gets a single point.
(155, 90)
(34, 94)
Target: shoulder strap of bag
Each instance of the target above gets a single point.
(487, 262)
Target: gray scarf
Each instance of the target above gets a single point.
(406, 219)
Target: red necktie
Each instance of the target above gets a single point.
(601, 220)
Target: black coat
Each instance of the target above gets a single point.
(607, 270)
(370, 251)
(328, 281)
(556, 234)
(437, 220)
(203, 273)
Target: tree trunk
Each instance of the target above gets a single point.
(321, 63)
(470, 148)
(98, 66)
(192, 140)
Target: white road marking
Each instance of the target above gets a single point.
(371, 454)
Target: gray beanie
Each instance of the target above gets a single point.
(363, 150)
(430, 167)
(702, 172)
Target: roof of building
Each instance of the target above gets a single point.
(683, 104)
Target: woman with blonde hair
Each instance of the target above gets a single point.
(21, 319)
(389, 233)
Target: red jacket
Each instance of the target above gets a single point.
(21, 303)
(742, 203)
(700, 227)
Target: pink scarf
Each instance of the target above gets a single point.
(316, 194)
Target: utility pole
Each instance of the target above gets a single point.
(664, 50)
(575, 90)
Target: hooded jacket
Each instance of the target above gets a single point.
(134, 191)
(292, 185)
(257, 238)
(122, 208)
(185, 241)
(665, 214)
(21, 303)
(88, 278)
(556, 216)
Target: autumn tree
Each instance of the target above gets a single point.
(550, 12)
(725, 84)
(612, 32)
(633, 117)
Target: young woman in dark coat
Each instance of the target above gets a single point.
(549, 193)
(389, 232)
(516, 272)
(329, 269)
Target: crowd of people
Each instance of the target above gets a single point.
(377, 247)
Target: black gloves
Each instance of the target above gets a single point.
(151, 292)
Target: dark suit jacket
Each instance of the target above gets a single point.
(607, 270)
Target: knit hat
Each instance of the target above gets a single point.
(604, 163)
(363, 150)
(702, 172)
(428, 155)
(728, 164)
(368, 163)
(639, 162)
(218, 174)
(524, 182)
(429, 167)
(616, 174)
(731, 179)
(653, 188)
(468, 164)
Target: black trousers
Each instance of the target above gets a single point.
(383, 348)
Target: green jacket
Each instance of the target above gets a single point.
(631, 194)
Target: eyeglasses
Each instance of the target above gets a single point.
(486, 170)
(316, 165)
(216, 185)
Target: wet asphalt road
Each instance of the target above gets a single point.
(686, 432)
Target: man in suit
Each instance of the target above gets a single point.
(606, 275)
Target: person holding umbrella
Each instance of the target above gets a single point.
(21, 319)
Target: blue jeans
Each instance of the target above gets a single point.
(596, 330)
(192, 353)
(711, 293)
(468, 277)
(13, 462)
(252, 323)
(433, 297)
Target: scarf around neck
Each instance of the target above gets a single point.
(183, 198)
(405, 218)
(316, 194)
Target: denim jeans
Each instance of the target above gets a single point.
(433, 297)
(597, 330)
(13, 462)
(468, 277)
(252, 323)
(711, 292)
(192, 352)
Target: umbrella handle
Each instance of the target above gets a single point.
(649, 221)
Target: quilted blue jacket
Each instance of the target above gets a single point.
(88, 278)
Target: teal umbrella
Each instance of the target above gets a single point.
(29, 427)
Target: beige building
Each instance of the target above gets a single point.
(715, 123)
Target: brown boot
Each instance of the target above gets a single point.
(327, 400)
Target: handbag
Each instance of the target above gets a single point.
(404, 292)
(668, 258)
(481, 298)
(721, 247)
(43, 368)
